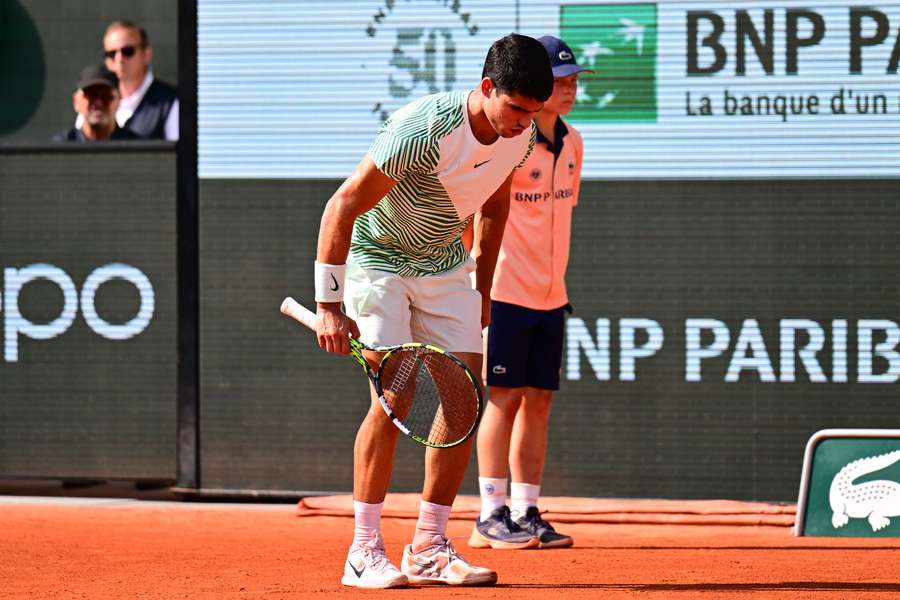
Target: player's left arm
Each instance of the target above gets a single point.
(490, 222)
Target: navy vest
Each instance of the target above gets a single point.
(149, 119)
(76, 135)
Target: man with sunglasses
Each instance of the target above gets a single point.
(148, 106)
(96, 99)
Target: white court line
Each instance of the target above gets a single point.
(136, 503)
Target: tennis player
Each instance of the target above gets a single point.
(525, 338)
(389, 248)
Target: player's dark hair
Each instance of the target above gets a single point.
(518, 64)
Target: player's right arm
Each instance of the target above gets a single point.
(358, 194)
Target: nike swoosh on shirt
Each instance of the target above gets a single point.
(482, 163)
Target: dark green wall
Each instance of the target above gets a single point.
(80, 404)
(278, 413)
(44, 44)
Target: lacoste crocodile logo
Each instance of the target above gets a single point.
(873, 500)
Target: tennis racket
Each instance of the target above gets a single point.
(429, 394)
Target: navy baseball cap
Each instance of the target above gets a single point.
(562, 59)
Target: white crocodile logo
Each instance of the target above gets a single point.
(872, 500)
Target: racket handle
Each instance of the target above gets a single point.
(293, 309)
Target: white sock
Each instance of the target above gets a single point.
(523, 496)
(432, 520)
(367, 519)
(493, 494)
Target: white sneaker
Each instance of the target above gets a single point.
(368, 566)
(440, 564)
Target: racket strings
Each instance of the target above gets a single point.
(431, 394)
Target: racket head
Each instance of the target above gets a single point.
(431, 395)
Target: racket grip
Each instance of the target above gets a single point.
(296, 311)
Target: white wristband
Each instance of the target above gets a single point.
(329, 282)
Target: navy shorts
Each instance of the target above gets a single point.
(524, 346)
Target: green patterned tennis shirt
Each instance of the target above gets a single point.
(444, 175)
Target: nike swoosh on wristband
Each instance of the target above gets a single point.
(336, 286)
(482, 163)
(358, 572)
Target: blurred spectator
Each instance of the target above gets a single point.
(96, 100)
(149, 106)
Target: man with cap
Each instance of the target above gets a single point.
(96, 99)
(525, 336)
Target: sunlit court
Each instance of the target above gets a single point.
(469, 298)
(93, 548)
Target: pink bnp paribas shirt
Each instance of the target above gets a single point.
(531, 268)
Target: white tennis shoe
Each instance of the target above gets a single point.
(368, 566)
(439, 563)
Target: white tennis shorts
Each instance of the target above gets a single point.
(443, 310)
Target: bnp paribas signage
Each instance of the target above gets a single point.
(785, 44)
(745, 89)
(680, 89)
(618, 42)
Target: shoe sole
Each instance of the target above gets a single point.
(489, 579)
(563, 543)
(349, 582)
(478, 540)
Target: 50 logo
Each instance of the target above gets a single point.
(423, 59)
(14, 280)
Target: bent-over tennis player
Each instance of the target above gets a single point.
(389, 249)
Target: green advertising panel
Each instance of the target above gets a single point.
(618, 42)
(853, 487)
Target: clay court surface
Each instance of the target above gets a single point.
(124, 548)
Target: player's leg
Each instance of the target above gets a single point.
(446, 312)
(373, 454)
(445, 468)
(367, 564)
(528, 448)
